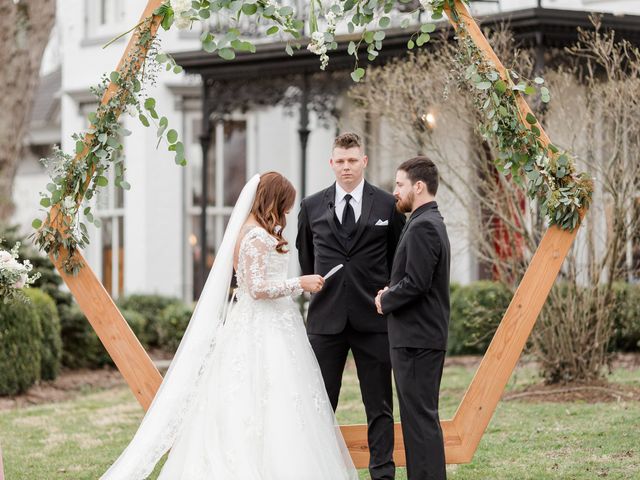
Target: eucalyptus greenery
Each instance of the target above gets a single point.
(550, 174)
(78, 177)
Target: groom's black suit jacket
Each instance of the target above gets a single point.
(417, 302)
(367, 259)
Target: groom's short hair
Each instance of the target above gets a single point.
(421, 169)
(347, 140)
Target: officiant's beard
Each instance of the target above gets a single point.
(405, 205)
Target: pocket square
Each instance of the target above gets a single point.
(381, 223)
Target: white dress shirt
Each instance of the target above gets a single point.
(355, 202)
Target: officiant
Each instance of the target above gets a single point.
(356, 224)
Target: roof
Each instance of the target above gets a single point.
(46, 104)
(533, 26)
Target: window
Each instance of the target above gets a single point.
(103, 17)
(110, 211)
(227, 174)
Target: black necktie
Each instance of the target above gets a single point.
(348, 217)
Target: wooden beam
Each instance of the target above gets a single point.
(95, 302)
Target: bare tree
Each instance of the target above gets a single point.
(594, 115)
(25, 27)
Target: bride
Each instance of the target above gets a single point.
(244, 398)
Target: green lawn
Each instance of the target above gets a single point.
(77, 439)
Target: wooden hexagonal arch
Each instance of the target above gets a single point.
(463, 432)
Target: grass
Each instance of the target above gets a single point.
(78, 439)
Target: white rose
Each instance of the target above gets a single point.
(14, 266)
(5, 256)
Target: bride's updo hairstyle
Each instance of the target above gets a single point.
(274, 197)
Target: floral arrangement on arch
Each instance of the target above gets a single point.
(14, 275)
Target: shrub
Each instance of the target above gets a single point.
(51, 351)
(172, 323)
(20, 347)
(476, 311)
(150, 307)
(626, 317)
(81, 346)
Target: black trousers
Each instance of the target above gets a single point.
(417, 372)
(371, 354)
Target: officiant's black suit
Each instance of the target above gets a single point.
(342, 315)
(417, 308)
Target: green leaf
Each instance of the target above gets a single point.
(114, 77)
(37, 223)
(150, 103)
(384, 22)
(379, 36)
(422, 39)
(144, 120)
(167, 20)
(530, 90)
(289, 50)
(286, 10)
(52, 187)
(531, 119)
(209, 45)
(428, 28)
(483, 85)
(79, 146)
(411, 44)
(172, 136)
(272, 30)
(249, 8)
(539, 80)
(45, 202)
(357, 74)
(125, 185)
(227, 53)
(500, 86)
(177, 69)
(102, 181)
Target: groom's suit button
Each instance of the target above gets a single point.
(348, 259)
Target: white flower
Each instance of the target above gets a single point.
(69, 203)
(317, 37)
(427, 5)
(131, 110)
(21, 282)
(331, 17)
(183, 22)
(181, 9)
(5, 256)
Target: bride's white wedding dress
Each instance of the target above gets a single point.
(244, 397)
(265, 413)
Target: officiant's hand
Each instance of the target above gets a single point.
(311, 283)
(379, 300)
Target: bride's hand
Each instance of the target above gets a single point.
(311, 283)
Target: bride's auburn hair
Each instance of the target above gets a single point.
(274, 197)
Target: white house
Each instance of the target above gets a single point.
(150, 238)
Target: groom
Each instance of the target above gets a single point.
(417, 305)
(355, 224)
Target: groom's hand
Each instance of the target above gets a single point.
(378, 300)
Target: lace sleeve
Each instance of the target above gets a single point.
(256, 251)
